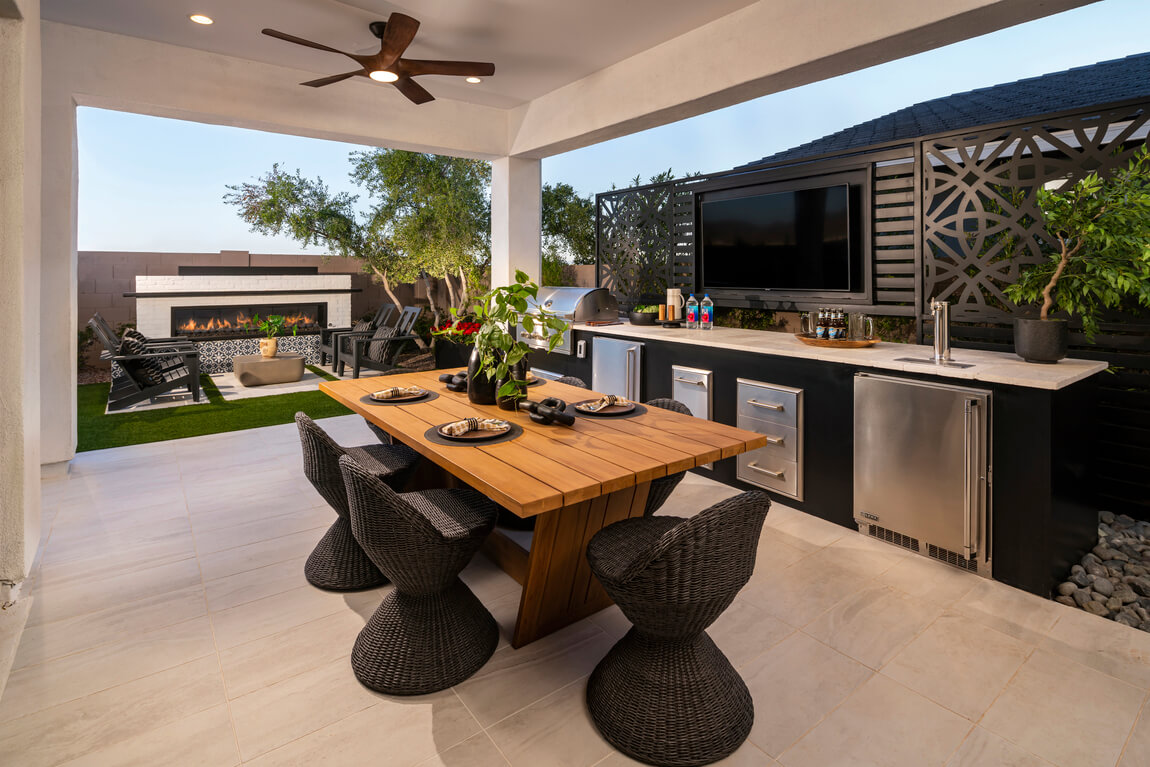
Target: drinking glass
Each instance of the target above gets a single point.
(861, 327)
(806, 324)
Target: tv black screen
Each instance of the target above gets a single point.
(792, 240)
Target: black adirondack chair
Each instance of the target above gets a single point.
(149, 372)
(378, 350)
(110, 341)
(329, 337)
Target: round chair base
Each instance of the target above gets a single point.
(414, 645)
(668, 702)
(338, 563)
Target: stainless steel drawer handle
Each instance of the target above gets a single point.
(768, 472)
(689, 381)
(775, 440)
(767, 405)
(532, 336)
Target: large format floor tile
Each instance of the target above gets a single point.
(171, 625)
(1065, 712)
(882, 724)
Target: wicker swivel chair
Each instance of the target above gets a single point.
(572, 381)
(430, 632)
(338, 563)
(665, 694)
(662, 487)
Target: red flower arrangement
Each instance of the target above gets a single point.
(458, 330)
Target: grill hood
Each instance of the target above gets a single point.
(580, 304)
(573, 305)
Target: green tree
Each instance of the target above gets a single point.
(436, 211)
(1100, 254)
(568, 224)
(284, 203)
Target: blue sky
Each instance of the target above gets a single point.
(148, 183)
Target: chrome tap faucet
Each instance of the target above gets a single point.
(941, 312)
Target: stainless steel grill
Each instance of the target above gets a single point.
(573, 305)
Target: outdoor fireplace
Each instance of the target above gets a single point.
(203, 323)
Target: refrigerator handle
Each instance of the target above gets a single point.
(630, 380)
(968, 473)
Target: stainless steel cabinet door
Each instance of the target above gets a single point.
(615, 367)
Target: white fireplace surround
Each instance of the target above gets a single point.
(154, 315)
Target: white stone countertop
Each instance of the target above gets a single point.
(989, 367)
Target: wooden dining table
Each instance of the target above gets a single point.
(575, 480)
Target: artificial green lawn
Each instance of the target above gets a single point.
(98, 431)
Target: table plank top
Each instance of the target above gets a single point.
(547, 467)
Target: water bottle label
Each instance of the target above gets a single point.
(706, 314)
(690, 314)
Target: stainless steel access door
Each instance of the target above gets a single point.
(921, 461)
(615, 367)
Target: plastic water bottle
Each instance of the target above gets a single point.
(707, 318)
(692, 313)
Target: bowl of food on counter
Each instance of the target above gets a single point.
(644, 314)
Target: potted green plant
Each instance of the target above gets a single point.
(272, 327)
(497, 370)
(1099, 257)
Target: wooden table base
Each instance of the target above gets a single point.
(558, 587)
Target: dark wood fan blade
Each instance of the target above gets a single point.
(301, 41)
(415, 67)
(413, 90)
(397, 35)
(332, 79)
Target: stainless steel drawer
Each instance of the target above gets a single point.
(782, 440)
(760, 468)
(769, 402)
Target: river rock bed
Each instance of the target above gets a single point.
(1113, 580)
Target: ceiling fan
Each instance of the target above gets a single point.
(387, 66)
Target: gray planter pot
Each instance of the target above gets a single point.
(1042, 341)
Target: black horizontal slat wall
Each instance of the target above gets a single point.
(894, 221)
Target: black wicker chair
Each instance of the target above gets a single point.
(665, 694)
(662, 487)
(430, 632)
(573, 381)
(338, 563)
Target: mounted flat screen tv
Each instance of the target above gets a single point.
(801, 240)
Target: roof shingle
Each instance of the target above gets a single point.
(1082, 87)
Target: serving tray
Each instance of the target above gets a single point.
(837, 343)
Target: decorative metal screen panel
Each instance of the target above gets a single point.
(980, 222)
(636, 241)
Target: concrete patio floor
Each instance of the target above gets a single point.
(170, 624)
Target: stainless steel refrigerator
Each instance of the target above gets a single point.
(615, 367)
(922, 467)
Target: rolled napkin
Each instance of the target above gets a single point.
(607, 401)
(459, 428)
(397, 391)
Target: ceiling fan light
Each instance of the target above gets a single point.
(200, 18)
(383, 76)
(474, 80)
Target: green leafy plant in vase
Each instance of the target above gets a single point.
(272, 327)
(1099, 257)
(497, 370)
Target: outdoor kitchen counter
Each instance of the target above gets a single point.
(989, 367)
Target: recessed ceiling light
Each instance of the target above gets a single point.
(200, 18)
(383, 76)
(474, 80)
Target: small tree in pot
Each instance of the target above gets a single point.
(497, 371)
(1101, 226)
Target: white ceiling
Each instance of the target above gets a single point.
(536, 45)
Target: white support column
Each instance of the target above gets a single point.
(19, 296)
(516, 219)
(58, 300)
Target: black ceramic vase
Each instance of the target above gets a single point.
(480, 388)
(517, 372)
(1043, 341)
